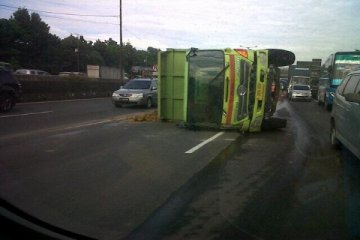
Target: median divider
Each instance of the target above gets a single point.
(45, 88)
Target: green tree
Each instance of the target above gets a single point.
(69, 54)
(129, 53)
(26, 42)
(9, 32)
(152, 55)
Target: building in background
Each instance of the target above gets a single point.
(103, 72)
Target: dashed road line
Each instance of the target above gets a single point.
(197, 147)
(25, 114)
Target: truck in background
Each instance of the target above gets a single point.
(299, 80)
(335, 68)
(221, 88)
(311, 70)
(294, 80)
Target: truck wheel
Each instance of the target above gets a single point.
(273, 123)
(7, 102)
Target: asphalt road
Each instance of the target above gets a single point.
(87, 167)
(284, 184)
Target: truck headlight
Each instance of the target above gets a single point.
(115, 94)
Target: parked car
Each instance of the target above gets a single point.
(10, 90)
(300, 92)
(31, 72)
(345, 115)
(137, 91)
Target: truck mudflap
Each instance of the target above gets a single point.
(273, 123)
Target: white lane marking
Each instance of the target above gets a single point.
(67, 134)
(25, 114)
(86, 124)
(204, 143)
(59, 101)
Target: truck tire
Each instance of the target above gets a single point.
(273, 123)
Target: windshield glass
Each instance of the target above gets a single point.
(137, 84)
(206, 84)
(297, 87)
(345, 64)
(300, 80)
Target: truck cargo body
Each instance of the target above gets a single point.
(223, 89)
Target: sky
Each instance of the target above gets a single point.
(310, 29)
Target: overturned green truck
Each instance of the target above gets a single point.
(222, 89)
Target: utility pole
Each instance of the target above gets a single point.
(121, 46)
(77, 50)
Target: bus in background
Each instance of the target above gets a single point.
(335, 68)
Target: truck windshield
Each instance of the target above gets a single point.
(300, 80)
(299, 87)
(206, 87)
(344, 64)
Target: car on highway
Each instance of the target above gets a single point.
(10, 90)
(31, 72)
(345, 115)
(300, 92)
(137, 92)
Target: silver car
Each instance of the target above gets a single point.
(138, 92)
(300, 92)
(345, 115)
(31, 72)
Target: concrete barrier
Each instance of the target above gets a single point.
(43, 88)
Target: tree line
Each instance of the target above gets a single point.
(26, 42)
